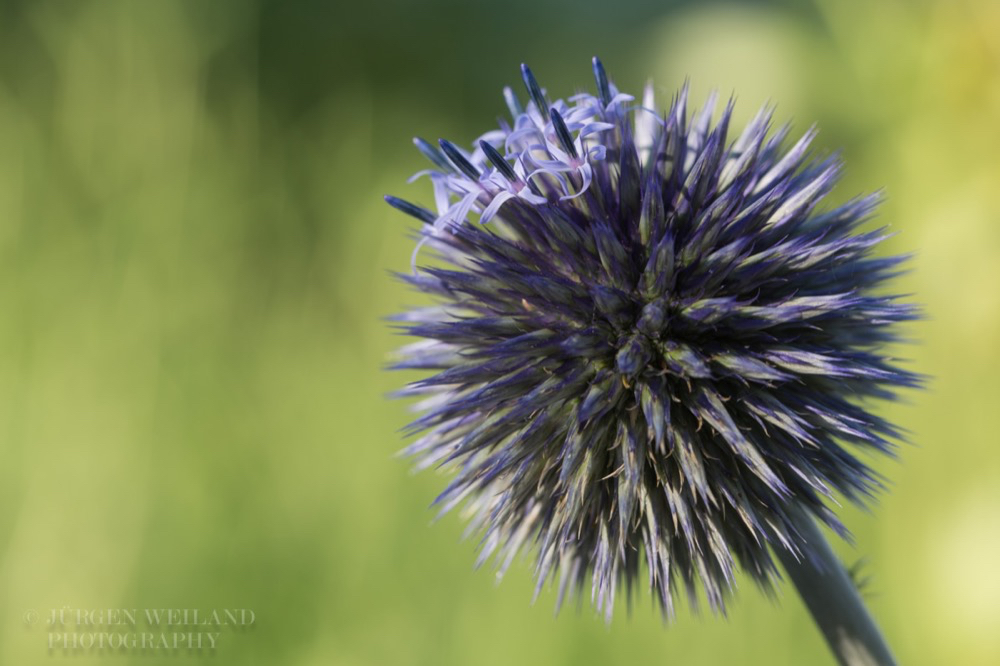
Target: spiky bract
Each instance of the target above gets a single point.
(649, 344)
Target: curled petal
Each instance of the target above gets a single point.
(494, 206)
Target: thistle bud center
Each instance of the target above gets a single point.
(633, 356)
(653, 318)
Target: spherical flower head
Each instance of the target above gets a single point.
(650, 345)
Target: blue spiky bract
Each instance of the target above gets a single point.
(649, 344)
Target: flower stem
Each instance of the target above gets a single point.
(833, 599)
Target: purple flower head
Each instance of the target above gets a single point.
(650, 346)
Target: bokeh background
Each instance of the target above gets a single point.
(194, 259)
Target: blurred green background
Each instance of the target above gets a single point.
(194, 259)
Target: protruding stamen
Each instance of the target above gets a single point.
(458, 159)
(537, 96)
(562, 133)
(410, 209)
(502, 165)
(433, 154)
(603, 88)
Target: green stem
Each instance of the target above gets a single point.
(833, 600)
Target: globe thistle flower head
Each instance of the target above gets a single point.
(650, 345)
